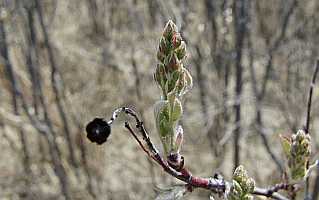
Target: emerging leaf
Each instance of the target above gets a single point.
(286, 144)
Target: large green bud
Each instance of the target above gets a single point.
(175, 81)
(297, 149)
(170, 73)
(242, 185)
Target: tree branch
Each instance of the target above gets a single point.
(313, 81)
(216, 185)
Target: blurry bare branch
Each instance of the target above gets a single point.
(59, 169)
(56, 82)
(240, 21)
(307, 124)
(14, 97)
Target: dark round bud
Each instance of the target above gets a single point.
(98, 131)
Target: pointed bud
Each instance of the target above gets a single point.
(240, 174)
(176, 40)
(180, 85)
(300, 150)
(236, 190)
(185, 82)
(249, 185)
(181, 50)
(159, 75)
(163, 46)
(179, 139)
(169, 30)
(160, 56)
(189, 79)
(242, 186)
(173, 63)
(176, 108)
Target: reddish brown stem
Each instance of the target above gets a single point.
(213, 184)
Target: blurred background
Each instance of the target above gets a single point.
(64, 62)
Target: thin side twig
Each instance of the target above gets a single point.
(313, 81)
(216, 185)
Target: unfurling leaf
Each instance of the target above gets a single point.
(179, 139)
(176, 111)
(286, 144)
(298, 155)
(163, 123)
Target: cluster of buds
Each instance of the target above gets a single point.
(242, 185)
(175, 81)
(297, 149)
(170, 73)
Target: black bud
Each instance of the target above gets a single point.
(98, 130)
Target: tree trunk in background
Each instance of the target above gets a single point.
(201, 85)
(211, 18)
(258, 118)
(264, 82)
(239, 9)
(10, 74)
(152, 9)
(58, 168)
(35, 76)
(93, 12)
(138, 91)
(55, 79)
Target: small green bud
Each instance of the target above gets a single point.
(299, 153)
(160, 56)
(173, 63)
(179, 139)
(169, 30)
(160, 75)
(249, 185)
(242, 186)
(237, 188)
(184, 83)
(164, 46)
(176, 40)
(188, 79)
(172, 81)
(181, 50)
(235, 192)
(240, 174)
